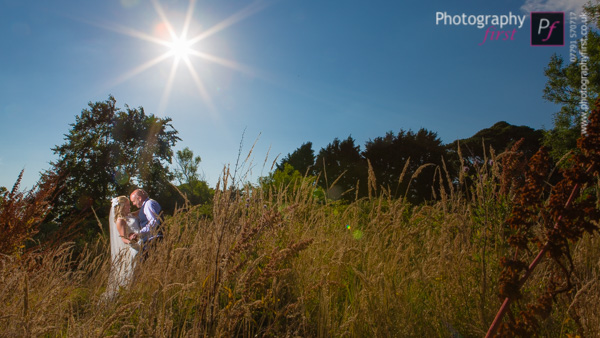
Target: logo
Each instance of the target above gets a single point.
(498, 27)
(547, 28)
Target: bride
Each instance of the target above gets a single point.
(123, 244)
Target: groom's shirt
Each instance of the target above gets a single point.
(149, 216)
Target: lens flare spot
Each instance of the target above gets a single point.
(122, 178)
(161, 31)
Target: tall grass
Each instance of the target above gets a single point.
(287, 263)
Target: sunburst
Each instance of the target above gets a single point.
(180, 48)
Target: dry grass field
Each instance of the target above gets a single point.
(287, 263)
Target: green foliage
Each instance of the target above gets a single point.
(191, 191)
(592, 9)
(289, 179)
(188, 166)
(281, 178)
(564, 87)
(197, 192)
(302, 159)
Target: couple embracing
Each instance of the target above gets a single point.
(130, 234)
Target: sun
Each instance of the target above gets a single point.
(180, 48)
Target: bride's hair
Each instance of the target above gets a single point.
(119, 207)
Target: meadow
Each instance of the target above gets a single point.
(286, 262)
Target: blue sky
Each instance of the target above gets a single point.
(285, 71)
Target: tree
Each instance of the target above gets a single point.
(593, 11)
(196, 192)
(188, 166)
(296, 169)
(108, 152)
(501, 136)
(288, 180)
(342, 161)
(302, 159)
(575, 93)
(280, 178)
(388, 156)
(195, 189)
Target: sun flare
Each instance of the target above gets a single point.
(180, 47)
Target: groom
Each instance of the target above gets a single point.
(148, 215)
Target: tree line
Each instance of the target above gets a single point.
(402, 164)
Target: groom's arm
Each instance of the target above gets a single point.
(152, 212)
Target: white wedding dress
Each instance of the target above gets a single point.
(123, 256)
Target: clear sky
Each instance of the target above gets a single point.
(285, 71)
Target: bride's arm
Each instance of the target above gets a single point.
(121, 226)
